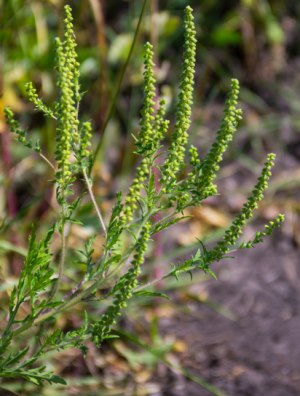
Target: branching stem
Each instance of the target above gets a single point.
(152, 282)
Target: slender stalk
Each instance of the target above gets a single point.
(152, 282)
(160, 278)
(118, 85)
(63, 253)
(6, 332)
(61, 265)
(46, 160)
(89, 187)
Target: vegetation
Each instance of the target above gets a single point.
(164, 186)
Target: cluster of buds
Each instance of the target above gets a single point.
(123, 289)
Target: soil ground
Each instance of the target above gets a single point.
(257, 353)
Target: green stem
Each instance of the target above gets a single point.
(61, 265)
(89, 187)
(64, 306)
(93, 286)
(118, 86)
(151, 283)
(63, 252)
(7, 333)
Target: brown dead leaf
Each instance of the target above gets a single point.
(237, 371)
(179, 346)
(193, 230)
(165, 311)
(143, 376)
(11, 99)
(211, 216)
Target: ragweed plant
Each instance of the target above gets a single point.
(158, 188)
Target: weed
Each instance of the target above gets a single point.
(134, 219)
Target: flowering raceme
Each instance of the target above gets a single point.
(155, 200)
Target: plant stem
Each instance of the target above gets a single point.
(156, 280)
(152, 282)
(63, 252)
(46, 160)
(89, 187)
(67, 304)
(81, 295)
(118, 86)
(61, 265)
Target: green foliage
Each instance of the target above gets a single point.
(156, 190)
(67, 106)
(123, 289)
(259, 236)
(34, 98)
(235, 230)
(175, 159)
(22, 136)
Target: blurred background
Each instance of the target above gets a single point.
(241, 334)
